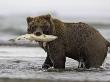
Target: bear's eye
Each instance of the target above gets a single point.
(32, 29)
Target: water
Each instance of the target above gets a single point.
(25, 62)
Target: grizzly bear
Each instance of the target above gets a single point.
(78, 41)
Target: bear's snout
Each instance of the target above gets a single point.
(38, 33)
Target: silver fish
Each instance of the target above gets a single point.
(32, 37)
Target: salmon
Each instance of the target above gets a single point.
(33, 37)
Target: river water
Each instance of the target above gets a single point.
(23, 62)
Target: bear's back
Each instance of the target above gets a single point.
(81, 34)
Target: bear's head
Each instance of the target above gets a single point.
(40, 25)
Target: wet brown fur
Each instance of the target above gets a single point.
(75, 40)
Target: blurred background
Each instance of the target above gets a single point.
(13, 14)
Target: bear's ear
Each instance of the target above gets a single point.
(29, 19)
(48, 16)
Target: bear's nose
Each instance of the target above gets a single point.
(38, 33)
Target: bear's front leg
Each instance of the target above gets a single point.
(57, 55)
(47, 63)
(59, 62)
